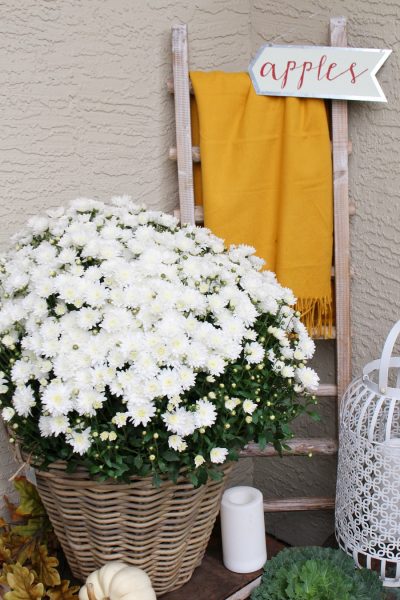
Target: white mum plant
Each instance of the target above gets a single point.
(132, 346)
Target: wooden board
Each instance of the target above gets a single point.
(182, 120)
(211, 581)
(341, 223)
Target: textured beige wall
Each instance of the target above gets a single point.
(84, 111)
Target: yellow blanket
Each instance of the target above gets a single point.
(266, 180)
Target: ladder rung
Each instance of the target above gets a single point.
(198, 214)
(326, 389)
(298, 447)
(199, 218)
(196, 157)
(173, 154)
(170, 86)
(296, 504)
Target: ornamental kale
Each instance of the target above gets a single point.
(314, 573)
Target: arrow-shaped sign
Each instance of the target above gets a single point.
(319, 72)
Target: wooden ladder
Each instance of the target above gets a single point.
(185, 154)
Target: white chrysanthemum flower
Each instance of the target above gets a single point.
(169, 382)
(287, 353)
(298, 354)
(38, 225)
(56, 399)
(218, 455)
(7, 413)
(80, 440)
(187, 377)
(88, 402)
(287, 371)
(96, 294)
(206, 414)
(142, 413)
(249, 407)
(232, 403)
(23, 400)
(53, 425)
(88, 318)
(308, 378)
(177, 443)
(3, 384)
(9, 340)
(199, 460)
(306, 346)
(180, 421)
(254, 352)
(21, 371)
(215, 365)
(120, 419)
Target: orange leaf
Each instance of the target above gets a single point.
(12, 510)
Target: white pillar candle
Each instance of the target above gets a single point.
(243, 531)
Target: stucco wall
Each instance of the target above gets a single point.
(84, 111)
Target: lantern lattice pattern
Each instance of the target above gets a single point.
(368, 486)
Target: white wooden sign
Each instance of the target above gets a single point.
(319, 72)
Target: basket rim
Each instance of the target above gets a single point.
(58, 469)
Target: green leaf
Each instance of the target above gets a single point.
(171, 456)
(138, 462)
(262, 441)
(216, 475)
(156, 480)
(193, 479)
(31, 528)
(314, 415)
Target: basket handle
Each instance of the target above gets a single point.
(386, 356)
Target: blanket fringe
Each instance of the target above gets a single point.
(317, 315)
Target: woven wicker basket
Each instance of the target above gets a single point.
(163, 530)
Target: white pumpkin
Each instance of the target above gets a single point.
(118, 581)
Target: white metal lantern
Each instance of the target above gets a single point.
(368, 486)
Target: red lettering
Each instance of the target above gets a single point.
(271, 71)
(330, 69)
(307, 66)
(322, 61)
(353, 73)
(291, 65)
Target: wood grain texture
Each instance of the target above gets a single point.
(341, 223)
(196, 156)
(298, 447)
(212, 581)
(182, 122)
(299, 504)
